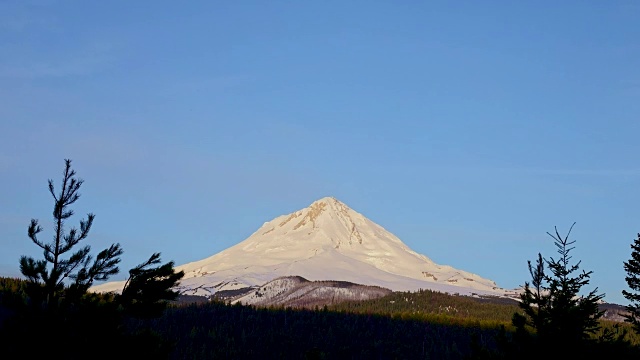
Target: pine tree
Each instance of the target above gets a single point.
(552, 303)
(632, 267)
(60, 314)
(57, 312)
(146, 292)
(46, 277)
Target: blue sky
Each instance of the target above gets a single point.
(468, 129)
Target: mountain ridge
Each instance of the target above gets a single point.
(296, 291)
(325, 241)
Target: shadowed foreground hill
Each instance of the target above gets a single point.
(401, 325)
(217, 330)
(429, 304)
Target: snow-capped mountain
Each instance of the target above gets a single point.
(325, 241)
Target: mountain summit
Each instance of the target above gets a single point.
(325, 241)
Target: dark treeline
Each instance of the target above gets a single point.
(432, 305)
(12, 293)
(398, 326)
(219, 330)
(94, 325)
(484, 312)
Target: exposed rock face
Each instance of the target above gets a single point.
(298, 292)
(613, 312)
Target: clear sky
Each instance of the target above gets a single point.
(467, 129)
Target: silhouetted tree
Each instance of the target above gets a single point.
(552, 303)
(57, 310)
(632, 267)
(146, 292)
(46, 277)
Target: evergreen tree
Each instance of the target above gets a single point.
(146, 292)
(58, 311)
(632, 267)
(46, 277)
(552, 303)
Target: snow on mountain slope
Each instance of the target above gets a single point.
(295, 291)
(325, 241)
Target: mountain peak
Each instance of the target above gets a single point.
(328, 199)
(329, 202)
(327, 241)
(322, 214)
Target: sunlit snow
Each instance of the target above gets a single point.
(325, 241)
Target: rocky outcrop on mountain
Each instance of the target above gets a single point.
(298, 292)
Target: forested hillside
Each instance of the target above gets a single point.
(424, 324)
